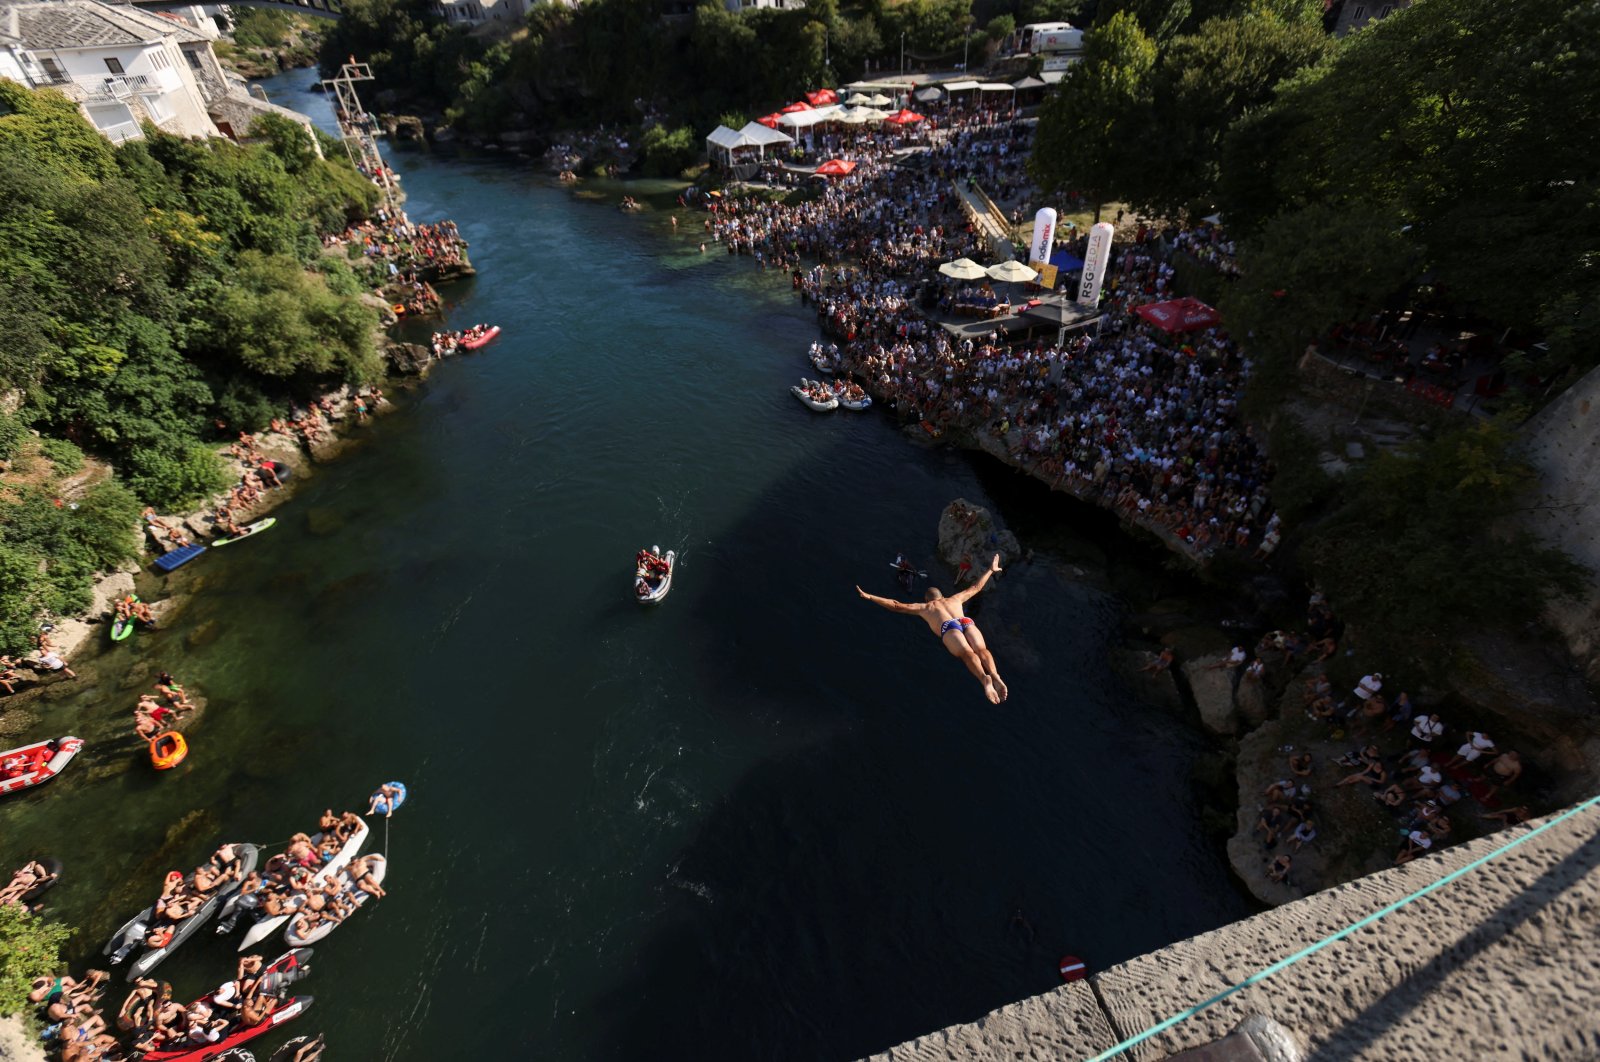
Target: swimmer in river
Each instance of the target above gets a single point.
(957, 633)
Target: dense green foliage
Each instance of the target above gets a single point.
(1423, 544)
(598, 61)
(143, 279)
(29, 947)
(49, 552)
(152, 290)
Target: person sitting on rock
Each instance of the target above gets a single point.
(1160, 663)
(1268, 823)
(1417, 843)
(1502, 771)
(9, 675)
(1278, 869)
(1372, 771)
(142, 613)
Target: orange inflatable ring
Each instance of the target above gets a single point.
(399, 309)
(167, 750)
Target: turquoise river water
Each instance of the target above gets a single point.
(762, 821)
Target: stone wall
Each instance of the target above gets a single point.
(1563, 442)
(1502, 963)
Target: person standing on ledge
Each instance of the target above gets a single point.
(959, 634)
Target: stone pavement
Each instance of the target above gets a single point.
(1503, 963)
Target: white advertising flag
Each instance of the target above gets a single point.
(1095, 259)
(1044, 235)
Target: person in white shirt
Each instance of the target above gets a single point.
(1369, 685)
(1426, 727)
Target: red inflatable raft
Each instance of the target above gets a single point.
(475, 343)
(25, 767)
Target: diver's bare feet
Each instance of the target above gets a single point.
(990, 692)
(1000, 687)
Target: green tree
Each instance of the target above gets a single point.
(1472, 120)
(1088, 128)
(1204, 81)
(279, 321)
(1161, 20)
(29, 947)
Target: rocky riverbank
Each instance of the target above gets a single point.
(17, 1044)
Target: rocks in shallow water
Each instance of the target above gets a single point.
(970, 532)
(203, 634)
(409, 359)
(322, 521)
(1213, 693)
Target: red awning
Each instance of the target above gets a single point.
(904, 117)
(822, 97)
(1179, 315)
(836, 168)
(797, 105)
(770, 120)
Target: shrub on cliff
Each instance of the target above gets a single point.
(668, 153)
(1423, 543)
(29, 947)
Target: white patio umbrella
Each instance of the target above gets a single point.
(880, 100)
(1012, 272)
(963, 269)
(858, 98)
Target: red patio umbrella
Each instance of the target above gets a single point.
(797, 105)
(1187, 314)
(822, 97)
(904, 117)
(770, 120)
(835, 168)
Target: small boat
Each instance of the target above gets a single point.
(651, 589)
(477, 341)
(846, 402)
(251, 529)
(167, 750)
(286, 1010)
(30, 765)
(131, 937)
(379, 871)
(819, 405)
(263, 926)
(824, 358)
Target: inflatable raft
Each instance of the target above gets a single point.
(474, 344)
(30, 765)
(167, 750)
(263, 926)
(251, 529)
(649, 591)
(131, 937)
(811, 403)
(379, 871)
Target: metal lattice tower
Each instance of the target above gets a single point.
(358, 129)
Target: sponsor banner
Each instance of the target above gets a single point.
(1047, 274)
(1095, 259)
(1044, 235)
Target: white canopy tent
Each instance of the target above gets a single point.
(962, 86)
(807, 119)
(761, 138)
(722, 141)
(996, 86)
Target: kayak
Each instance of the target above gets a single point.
(811, 403)
(650, 591)
(167, 750)
(264, 925)
(253, 529)
(380, 870)
(285, 1011)
(30, 765)
(131, 937)
(474, 344)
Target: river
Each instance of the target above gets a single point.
(764, 820)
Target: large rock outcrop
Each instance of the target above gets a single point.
(1212, 687)
(971, 533)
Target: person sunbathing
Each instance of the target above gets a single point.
(388, 796)
(32, 875)
(360, 874)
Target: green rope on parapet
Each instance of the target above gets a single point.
(1263, 974)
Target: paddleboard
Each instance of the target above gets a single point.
(253, 529)
(122, 629)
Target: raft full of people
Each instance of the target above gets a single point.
(652, 574)
(446, 344)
